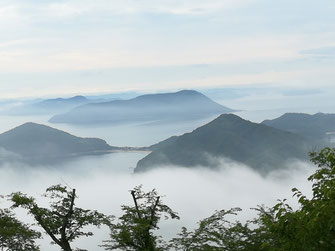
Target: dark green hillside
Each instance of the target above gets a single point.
(262, 147)
(35, 141)
(310, 126)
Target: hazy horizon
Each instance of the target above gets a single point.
(61, 48)
(260, 58)
(104, 184)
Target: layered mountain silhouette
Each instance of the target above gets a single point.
(49, 106)
(259, 146)
(313, 127)
(76, 100)
(182, 105)
(35, 143)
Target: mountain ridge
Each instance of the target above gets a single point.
(309, 126)
(48, 106)
(36, 143)
(259, 146)
(185, 104)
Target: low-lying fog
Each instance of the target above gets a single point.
(103, 183)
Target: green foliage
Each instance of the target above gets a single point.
(217, 233)
(63, 222)
(312, 226)
(15, 235)
(134, 229)
(309, 228)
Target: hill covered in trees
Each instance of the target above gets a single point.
(309, 126)
(259, 146)
(36, 143)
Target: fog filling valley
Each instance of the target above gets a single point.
(103, 182)
(221, 111)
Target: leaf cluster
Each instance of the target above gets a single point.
(15, 235)
(218, 233)
(62, 220)
(311, 227)
(134, 229)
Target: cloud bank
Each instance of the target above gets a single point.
(195, 194)
(49, 47)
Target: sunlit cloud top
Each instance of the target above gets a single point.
(49, 47)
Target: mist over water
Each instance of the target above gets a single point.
(246, 56)
(136, 134)
(260, 103)
(103, 182)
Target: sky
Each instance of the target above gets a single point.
(69, 47)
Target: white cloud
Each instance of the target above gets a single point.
(75, 7)
(71, 8)
(11, 43)
(79, 35)
(9, 15)
(192, 7)
(62, 10)
(194, 194)
(145, 53)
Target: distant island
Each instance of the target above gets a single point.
(48, 106)
(229, 137)
(39, 144)
(178, 106)
(319, 127)
(259, 146)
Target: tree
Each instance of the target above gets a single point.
(217, 233)
(281, 228)
(134, 229)
(312, 226)
(63, 222)
(15, 235)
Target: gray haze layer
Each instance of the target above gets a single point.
(161, 108)
(103, 182)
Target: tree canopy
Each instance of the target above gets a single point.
(15, 235)
(62, 221)
(134, 229)
(312, 226)
(309, 227)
